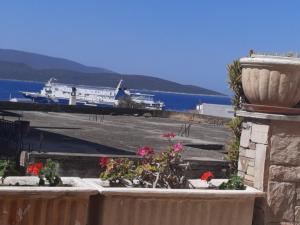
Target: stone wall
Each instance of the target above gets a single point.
(270, 161)
(87, 165)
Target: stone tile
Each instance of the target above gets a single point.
(245, 137)
(260, 160)
(285, 143)
(281, 201)
(251, 163)
(248, 183)
(241, 174)
(250, 153)
(250, 170)
(259, 133)
(284, 174)
(242, 151)
(298, 195)
(252, 145)
(249, 178)
(297, 214)
(243, 163)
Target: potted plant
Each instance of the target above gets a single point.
(155, 190)
(271, 80)
(43, 198)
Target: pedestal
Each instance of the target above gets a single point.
(269, 160)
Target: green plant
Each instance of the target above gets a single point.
(8, 168)
(164, 170)
(234, 183)
(46, 173)
(235, 84)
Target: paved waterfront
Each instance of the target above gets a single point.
(82, 133)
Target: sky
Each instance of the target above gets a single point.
(189, 42)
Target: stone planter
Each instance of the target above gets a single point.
(271, 80)
(36, 205)
(128, 206)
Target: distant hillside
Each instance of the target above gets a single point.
(16, 65)
(38, 61)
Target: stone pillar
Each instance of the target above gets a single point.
(270, 161)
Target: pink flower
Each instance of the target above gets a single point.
(103, 161)
(178, 147)
(146, 150)
(168, 135)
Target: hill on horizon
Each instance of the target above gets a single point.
(26, 66)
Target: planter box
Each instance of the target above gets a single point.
(140, 206)
(37, 205)
(271, 80)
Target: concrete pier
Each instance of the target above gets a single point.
(83, 133)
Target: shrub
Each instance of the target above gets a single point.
(234, 183)
(235, 84)
(47, 174)
(163, 170)
(8, 168)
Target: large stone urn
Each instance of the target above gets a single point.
(271, 80)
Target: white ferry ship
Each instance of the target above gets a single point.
(57, 93)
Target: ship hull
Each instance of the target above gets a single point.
(63, 101)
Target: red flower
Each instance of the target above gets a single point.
(103, 161)
(207, 176)
(35, 168)
(168, 135)
(146, 150)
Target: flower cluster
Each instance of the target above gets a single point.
(144, 151)
(161, 170)
(47, 172)
(35, 168)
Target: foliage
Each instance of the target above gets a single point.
(163, 170)
(235, 84)
(8, 168)
(236, 126)
(234, 183)
(46, 173)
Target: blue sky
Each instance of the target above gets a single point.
(189, 42)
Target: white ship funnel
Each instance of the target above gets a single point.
(72, 100)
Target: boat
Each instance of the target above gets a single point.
(147, 100)
(58, 93)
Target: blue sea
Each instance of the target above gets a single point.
(173, 101)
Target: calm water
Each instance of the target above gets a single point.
(173, 101)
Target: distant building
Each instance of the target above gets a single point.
(226, 111)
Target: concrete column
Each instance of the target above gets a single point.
(269, 160)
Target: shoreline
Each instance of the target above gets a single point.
(183, 93)
(27, 81)
(168, 92)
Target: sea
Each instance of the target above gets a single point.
(173, 101)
